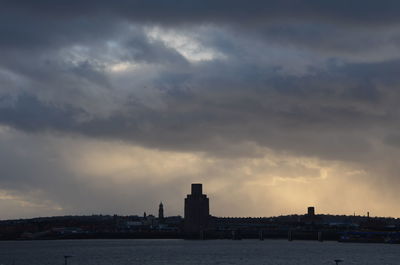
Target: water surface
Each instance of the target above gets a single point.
(221, 252)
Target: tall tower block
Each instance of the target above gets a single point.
(197, 211)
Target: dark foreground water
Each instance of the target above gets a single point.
(247, 252)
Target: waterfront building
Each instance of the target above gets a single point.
(197, 212)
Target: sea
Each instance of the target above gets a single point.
(219, 252)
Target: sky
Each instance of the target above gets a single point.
(109, 107)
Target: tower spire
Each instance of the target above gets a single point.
(161, 212)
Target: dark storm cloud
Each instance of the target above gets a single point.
(29, 114)
(185, 11)
(293, 113)
(55, 23)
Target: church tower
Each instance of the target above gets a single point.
(161, 212)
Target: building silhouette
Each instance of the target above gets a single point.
(161, 213)
(311, 211)
(197, 212)
(311, 218)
